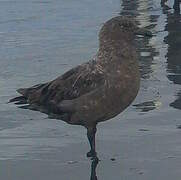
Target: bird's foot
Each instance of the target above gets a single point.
(91, 154)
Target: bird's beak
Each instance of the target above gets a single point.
(143, 32)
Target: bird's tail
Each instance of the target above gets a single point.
(25, 93)
(21, 99)
(18, 100)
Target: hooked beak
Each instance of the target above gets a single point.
(144, 32)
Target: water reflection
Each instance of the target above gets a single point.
(145, 15)
(93, 170)
(139, 11)
(148, 105)
(173, 39)
(176, 5)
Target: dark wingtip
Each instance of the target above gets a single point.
(19, 99)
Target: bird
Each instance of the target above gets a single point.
(96, 90)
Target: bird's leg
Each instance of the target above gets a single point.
(91, 131)
(93, 170)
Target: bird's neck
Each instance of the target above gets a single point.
(114, 50)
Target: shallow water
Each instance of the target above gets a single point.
(42, 39)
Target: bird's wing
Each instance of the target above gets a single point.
(72, 84)
(77, 82)
(88, 79)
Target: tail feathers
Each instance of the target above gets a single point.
(19, 100)
(23, 101)
(23, 91)
(26, 91)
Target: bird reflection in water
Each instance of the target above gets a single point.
(173, 39)
(141, 11)
(148, 105)
(93, 170)
(176, 5)
(95, 91)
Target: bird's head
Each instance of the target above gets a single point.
(121, 28)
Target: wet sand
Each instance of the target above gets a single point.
(126, 152)
(142, 143)
(136, 149)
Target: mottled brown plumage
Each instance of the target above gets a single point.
(97, 90)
